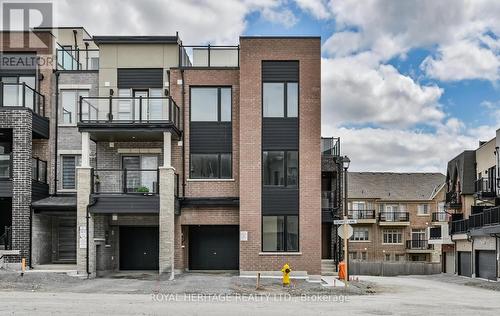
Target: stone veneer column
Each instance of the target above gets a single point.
(166, 218)
(83, 196)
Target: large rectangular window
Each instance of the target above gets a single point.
(280, 168)
(211, 166)
(360, 234)
(280, 233)
(69, 164)
(392, 236)
(70, 106)
(280, 99)
(210, 104)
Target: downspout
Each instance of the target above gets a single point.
(56, 133)
(88, 243)
(183, 140)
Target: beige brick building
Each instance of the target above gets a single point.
(394, 213)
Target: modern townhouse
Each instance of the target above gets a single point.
(394, 213)
(184, 157)
(475, 225)
(26, 127)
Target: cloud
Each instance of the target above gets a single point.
(318, 8)
(356, 92)
(214, 21)
(463, 60)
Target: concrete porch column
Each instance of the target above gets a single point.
(167, 205)
(84, 181)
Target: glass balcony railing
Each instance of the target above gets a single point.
(22, 95)
(128, 110)
(330, 146)
(5, 166)
(77, 59)
(209, 56)
(125, 181)
(38, 170)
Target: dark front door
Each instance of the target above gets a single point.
(464, 264)
(66, 240)
(139, 248)
(486, 264)
(214, 247)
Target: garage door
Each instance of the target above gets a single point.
(214, 247)
(486, 264)
(139, 248)
(464, 266)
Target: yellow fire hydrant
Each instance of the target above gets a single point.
(286, 274)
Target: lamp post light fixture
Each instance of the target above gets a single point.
(345, 164)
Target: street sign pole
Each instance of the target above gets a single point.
(346, 238)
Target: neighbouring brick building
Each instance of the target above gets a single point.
(395, 213)
(162, 155)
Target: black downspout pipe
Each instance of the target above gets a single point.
(76, 50)
(56, 133)
(183, 140)
(88, 243)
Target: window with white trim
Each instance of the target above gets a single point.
(423, 209)
(392, 236)
(360, 234)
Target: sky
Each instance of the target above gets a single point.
(406, 84)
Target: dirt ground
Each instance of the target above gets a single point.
(191, 283)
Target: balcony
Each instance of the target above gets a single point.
(492, 216)
(476, 221)
(20, 95)
(39, 185)
(209, 56)
(138, 118)
(363, 216)
(439, 217)
(459, 226)
(439, 235)
(330, 146)
(394, 219)
(328, 200)
(125, 181)
(418, 245)
(77, 59)
(453, 200)
(485, 188)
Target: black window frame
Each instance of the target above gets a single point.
(60, 119)
(285, 170)
(285, 99)
(77, 162)
(219, 103)
(285, 232)
(219, 165)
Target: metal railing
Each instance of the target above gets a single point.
(6, 166)
(439, 217)
(6, 238)
(361, 214)
(77, 59)
(418, 244)
(20, 94)
(38, 170)
(330, 146)
(485, 187)
(132, 110)
(476, 220)
(125, 181)
(492, 216)
(459, 227)
(435, 232)
(453, 198)
(209, 56)
(394, 216)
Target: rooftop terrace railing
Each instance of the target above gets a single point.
(69, 59)
(330, 146)
(209, 56)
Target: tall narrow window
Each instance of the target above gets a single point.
(70, 100)
(280, 99)
(210, 104)
(280, 233)
(69, 164)
(280, 168)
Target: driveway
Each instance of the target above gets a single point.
(394, 296)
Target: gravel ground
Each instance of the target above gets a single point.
(455, 279)
(190, 283)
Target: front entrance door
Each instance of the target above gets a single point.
(66, 240)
